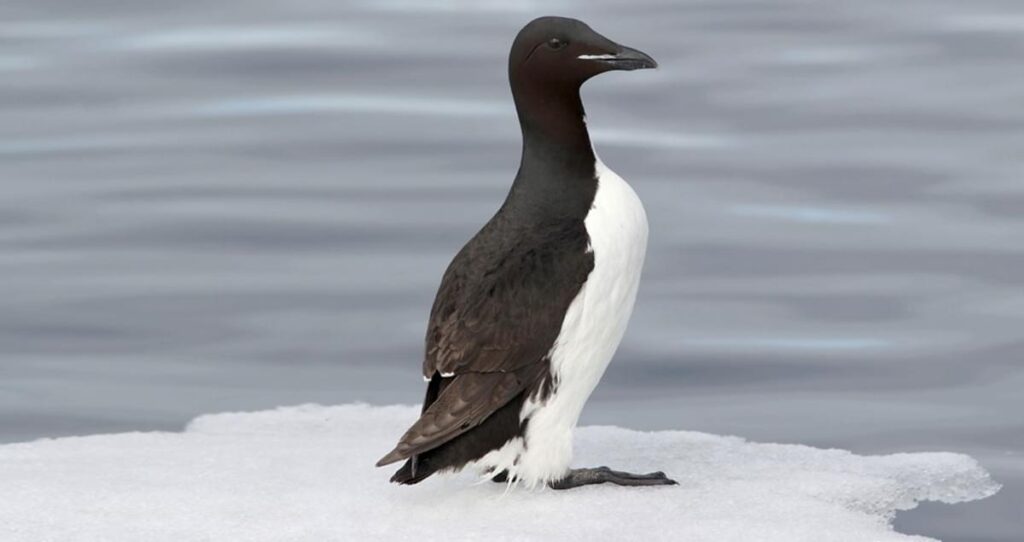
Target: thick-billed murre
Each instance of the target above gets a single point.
(531, 310)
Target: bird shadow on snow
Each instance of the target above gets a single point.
(306, 473)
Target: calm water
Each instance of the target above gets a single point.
(213, 208)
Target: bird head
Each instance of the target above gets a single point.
(563, 52)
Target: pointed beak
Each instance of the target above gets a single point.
(625, 58)
(628, 58)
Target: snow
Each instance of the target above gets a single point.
(306, 473)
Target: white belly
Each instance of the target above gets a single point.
(591, 332)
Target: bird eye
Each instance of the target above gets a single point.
(556, 44)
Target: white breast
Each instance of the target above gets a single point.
(591, 332)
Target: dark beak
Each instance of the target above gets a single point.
(625, 58)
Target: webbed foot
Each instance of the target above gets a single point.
(601, 475)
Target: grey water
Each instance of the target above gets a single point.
(210, 206)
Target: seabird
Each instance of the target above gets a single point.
(531, 310)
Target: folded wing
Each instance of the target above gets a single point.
(496, 317)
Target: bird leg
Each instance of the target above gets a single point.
(601, 475)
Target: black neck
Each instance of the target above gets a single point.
(556, 174)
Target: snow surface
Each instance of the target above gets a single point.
(306, 473)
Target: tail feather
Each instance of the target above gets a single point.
(466, 402)
(412, 472)
(463, 419)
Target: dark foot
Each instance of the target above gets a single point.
(501, 477)
(601, 475)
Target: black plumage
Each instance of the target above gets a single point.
(496, 315)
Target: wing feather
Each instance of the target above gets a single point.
(464, 404)
(496, 316)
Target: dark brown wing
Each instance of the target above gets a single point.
(466, 402)
(501, 303)
(496, 316)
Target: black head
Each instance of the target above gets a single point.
(550, 59)
(561, 52)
